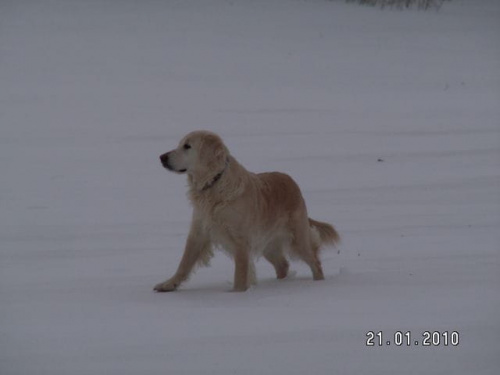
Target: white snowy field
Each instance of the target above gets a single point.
(388, 120)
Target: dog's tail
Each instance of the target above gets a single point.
(323, 233)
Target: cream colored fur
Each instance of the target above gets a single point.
(243, 213)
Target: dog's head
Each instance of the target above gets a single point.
(200, 154)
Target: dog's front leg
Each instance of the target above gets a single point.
(241, 270)
(197, 244)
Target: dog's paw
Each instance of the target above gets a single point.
(290, 275)
(240, 288)
(167, 286)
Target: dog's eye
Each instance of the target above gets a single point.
(187, 146)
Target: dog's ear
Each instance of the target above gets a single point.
(211, 161)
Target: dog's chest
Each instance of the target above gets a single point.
(220, 217)
(223, 223)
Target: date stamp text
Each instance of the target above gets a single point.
(407, 338)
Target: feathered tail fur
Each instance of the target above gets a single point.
(327, 233)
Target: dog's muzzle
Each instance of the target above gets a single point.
(166, 164)
(164, 161)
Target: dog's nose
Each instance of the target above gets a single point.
(164, 160)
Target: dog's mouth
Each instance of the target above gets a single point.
(170, 168)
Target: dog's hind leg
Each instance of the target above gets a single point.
(274, 255)
(302, 247)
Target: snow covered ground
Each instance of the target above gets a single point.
(92, 92)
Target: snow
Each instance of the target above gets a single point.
(92, 92)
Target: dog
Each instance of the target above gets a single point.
(243, 213)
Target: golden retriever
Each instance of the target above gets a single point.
(243, 213)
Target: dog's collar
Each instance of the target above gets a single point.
(216, 178)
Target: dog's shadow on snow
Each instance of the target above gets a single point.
(266, 287)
